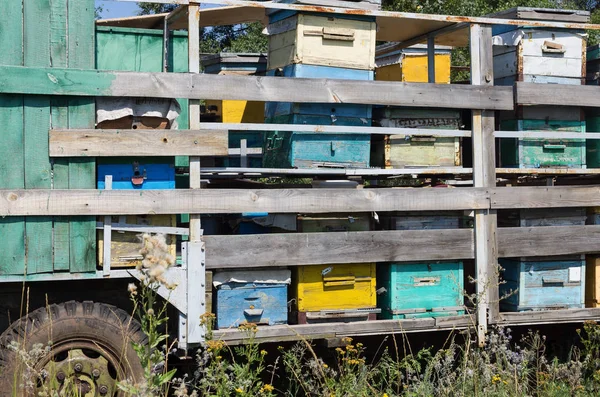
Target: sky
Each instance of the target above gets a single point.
(117, 9)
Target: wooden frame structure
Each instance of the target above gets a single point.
(484, 244)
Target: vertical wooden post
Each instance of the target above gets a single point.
(196, 269)
(484, 175)
(107, 233)
(194, 113)
(431, 59)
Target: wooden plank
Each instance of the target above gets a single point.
(484, 175)
(279, 333)
(545, 197)
(557, 94)
(548, 240)
(218, 201)
(103, 143)
(81, 50)
(345, 247)
(254, 88)
(12, 176)
(550, 316)
(36, 116)
(60, 180)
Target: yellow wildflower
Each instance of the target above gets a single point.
(263, 352)
(347, 340)
(267, 388)
(239, 390)
(496, 379)
(325, 366)
(385, 395)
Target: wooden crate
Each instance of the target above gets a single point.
(236, 111)
(400, 151)
(410, 64)
(539, 153)
(253, 296)
(334, 292)
(125, 246)
(322, 40)
(417, 290)
(539, 56)
(543, 283)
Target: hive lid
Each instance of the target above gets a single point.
(544, 14)
(356, 4)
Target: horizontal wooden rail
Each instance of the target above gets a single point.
(550, 316)
(557, 94)
(44, 202)
(56, 81)
(98, 143)
(322, 248)
(293, 249)
(545, 197)
(220, 201)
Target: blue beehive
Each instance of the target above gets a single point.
(309, 149)
(543, 283)
(415, 290)
(136, 174)
(255, 296)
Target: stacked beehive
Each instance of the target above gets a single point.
(540, 283)
(543, 56)
(312, 45)
(234, 111)
(421, 289)
(419, 150)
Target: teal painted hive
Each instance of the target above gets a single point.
(542, 283)
(592, 115)
(543, 153)
(417, 290)
(285, 149)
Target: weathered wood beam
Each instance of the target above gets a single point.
(104, 143)
(545, 197)
(557, 94)
(550, 316)
(268, 250)
(55, 81)
(218, 201)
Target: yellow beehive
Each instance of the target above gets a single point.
(336, 287)
(410, 65)
(125, 246)
(231, 111)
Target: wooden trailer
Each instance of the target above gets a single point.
(51, 208)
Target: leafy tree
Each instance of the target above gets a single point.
(155, 8)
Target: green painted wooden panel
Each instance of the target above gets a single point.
(36, 52)
(12, 175)
(592, 148)
(82, 115)
(535, 153)
(141, 50)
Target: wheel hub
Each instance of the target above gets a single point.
(85, 372)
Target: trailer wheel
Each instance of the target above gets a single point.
(79, 348)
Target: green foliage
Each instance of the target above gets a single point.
(155, 8)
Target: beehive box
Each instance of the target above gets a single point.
(420, 150)
(140, 173)
(540, 152)
(347, 42)
(592, 115)
(592, 284)
(125, 246)
(253, 296)
(420, 221)
(416, 290)
(236, 111)
(284, 149)
(334, 292)
(543, 283)
(542, 217)
(410, 64)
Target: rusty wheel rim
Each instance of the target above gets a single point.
(82, 368)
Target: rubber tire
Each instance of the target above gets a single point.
(106, 324)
